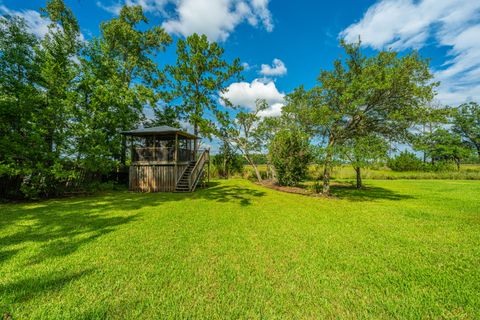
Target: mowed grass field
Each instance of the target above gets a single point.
(400, 249)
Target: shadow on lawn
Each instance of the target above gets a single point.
(351, 193)
(62, 226)
(217, 192)
(30, 287)
(59, 227)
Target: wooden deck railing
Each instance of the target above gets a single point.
(166, 154)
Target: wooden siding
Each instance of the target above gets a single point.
(154, 178)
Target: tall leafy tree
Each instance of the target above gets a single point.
(445, 145)
(466, 121)
(361, 95)
(165, 116)
(227, 162)
(58, 72)
(19, 98)
(198, 79)
(362, 152)
(430, 118)
(245, 134)
(49, 80)
(120, 77)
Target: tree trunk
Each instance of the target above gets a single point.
(327, 167)
(326, 176)
(49, 140)
(255, 168)
(225, 167)
(195, 146)
(359, 177)
(259, 177)
(457, 162)
(273, 173)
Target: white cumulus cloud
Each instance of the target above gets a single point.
(217, 19)
(277, 68)
(35, 23)
(245, 94)
(246, 66)
(153, 6)
(406, 24)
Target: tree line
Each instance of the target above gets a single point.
(357, 113)
(64, 101)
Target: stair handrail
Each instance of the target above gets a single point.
(197, 169)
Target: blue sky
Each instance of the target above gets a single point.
(286, 43)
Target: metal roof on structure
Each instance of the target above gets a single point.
(160, 130)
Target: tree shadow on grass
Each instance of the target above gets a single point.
(7, 254)
(216, 192)
(368, 193)
(31, 287)
(61, 227)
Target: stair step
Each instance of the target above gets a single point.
(183, 184)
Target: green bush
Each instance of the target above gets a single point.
(249, 174)
(225, 165)
(316, 187)
(290, 155)
(405, 161)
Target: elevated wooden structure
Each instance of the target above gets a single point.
(164, 159)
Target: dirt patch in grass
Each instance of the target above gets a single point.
(306, 188)
(302, 189)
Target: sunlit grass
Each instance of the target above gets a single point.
(400, 249)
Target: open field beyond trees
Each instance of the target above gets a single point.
(400, 249)
(345, 172)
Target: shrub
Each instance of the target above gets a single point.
(225, 165)
(316, 187)
(290, 155)
(405, 161)
(249, 174)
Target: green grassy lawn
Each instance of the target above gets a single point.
(402, 249)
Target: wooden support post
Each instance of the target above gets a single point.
(132, 156)
(176, 159)
(123, 159)
(190, 150)
(154, 155)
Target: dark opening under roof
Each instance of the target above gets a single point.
(158, 131)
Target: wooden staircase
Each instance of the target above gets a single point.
(193, 173)
(182, 183)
